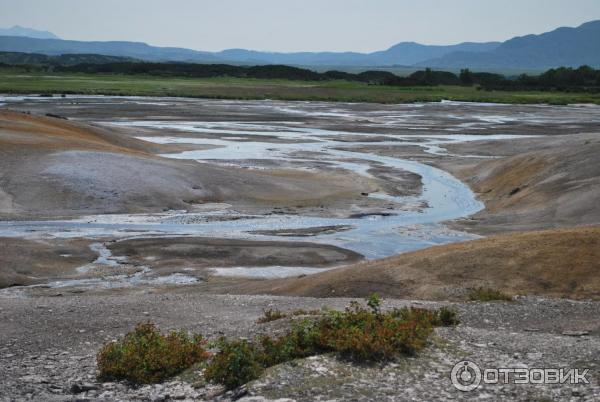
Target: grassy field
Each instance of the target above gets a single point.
(240, 88)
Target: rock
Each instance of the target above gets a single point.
(34, 379)
(78, 388)
(576, 333)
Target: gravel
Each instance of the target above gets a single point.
(43, 358)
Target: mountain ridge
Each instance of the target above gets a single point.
(18, 30)
(564, 46)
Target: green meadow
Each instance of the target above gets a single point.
(16, 82)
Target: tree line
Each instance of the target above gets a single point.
(584, 78)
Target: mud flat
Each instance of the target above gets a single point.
(199, 215)
(131, 168)
(84, 263)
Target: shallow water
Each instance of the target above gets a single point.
(444, 197)
(249, 140)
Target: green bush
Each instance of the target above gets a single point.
(447, 317)
(487, 294)
(364, 334)
(146, 356)
(358, 333)
(236, 364)
(369, 335)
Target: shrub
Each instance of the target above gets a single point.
(359, 333)
(487, 294)
(366, 335)
(306, 312)
(274, 314)
(447, 317)
(236, 364)
(146, 356)
(271, 315)
(374, 303)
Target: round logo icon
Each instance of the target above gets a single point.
(465, 376)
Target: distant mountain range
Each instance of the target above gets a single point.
(561, 47)
(60, 60)
(27, 32)
(402, 54)
(136, 50)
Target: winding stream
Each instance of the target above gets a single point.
(415, 222)
(444, 197)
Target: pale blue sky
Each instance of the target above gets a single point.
(293, 25)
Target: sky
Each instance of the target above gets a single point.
(295, 25)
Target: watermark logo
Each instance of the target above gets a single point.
(467, 376)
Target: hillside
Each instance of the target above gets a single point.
(540, 189)
(555, 263)
(570, 47)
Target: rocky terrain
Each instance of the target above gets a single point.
(49, 344)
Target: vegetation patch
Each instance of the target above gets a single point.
(237, 363)
(146, 356)
(362, 334)
(19, 80)
(487, 294)
(275, 314)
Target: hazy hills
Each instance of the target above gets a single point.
(137, 50)
(27, 32)
(405, 54)
(561, 47)
(14, 58)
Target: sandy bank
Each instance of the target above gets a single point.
(553, 187)
(557, 263)
(52, 167)
(29, 262)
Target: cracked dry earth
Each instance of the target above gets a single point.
(45, 359)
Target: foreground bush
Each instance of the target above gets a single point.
(236, 364)
(358, 333)
(363, 334)
(146, 356)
